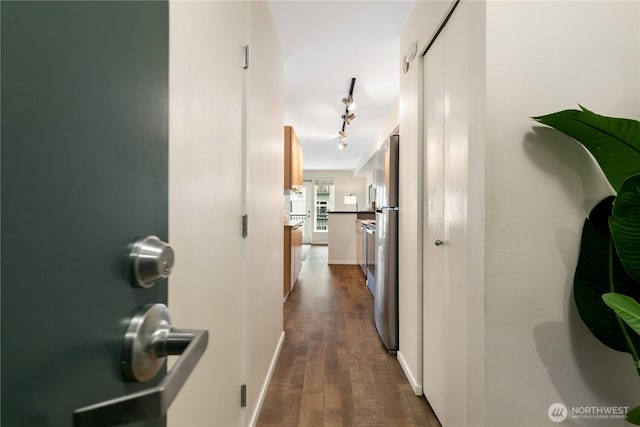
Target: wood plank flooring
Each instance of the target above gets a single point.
(333, 370)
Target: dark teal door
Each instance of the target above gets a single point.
(84, 174)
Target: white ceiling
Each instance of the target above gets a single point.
(325, 44)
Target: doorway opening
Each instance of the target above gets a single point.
(324, 202)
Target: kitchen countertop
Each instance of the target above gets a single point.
(293, 223)
(351, 212)
(360, 214)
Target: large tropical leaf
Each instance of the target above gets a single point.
(625, 307)
(599, 271)
(614, 142)
(625, 225)
(633, 416)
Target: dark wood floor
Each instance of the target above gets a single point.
(333, 370)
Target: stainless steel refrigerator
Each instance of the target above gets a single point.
(386, 295)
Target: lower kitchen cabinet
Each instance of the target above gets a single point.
(292, 256)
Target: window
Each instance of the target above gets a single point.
(324, 201)
(299, 208)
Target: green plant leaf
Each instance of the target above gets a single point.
(614, 142)
(625, 307)
(599, 271)
(633, 416)
(625, 225)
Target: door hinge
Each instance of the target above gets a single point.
(246, 57)
(243, 396)
(245, 225)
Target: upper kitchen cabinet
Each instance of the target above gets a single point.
(292, 161)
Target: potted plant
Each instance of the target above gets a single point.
(607, 278)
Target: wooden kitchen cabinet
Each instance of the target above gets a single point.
(292, 256)
(293, 158)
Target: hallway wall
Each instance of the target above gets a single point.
(205, 187)
(540, 58)
(265, 163)
(221, 151)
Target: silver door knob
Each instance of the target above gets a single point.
(152, 261)
(439, 243)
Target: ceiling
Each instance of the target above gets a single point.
(325, 44)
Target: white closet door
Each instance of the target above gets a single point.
(433, 341)
(446, 118)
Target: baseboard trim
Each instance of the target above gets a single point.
(417, 388)
(267, 381)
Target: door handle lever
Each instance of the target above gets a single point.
(149, 339)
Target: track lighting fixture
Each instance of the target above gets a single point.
(348, 116)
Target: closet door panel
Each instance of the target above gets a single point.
(433, 342)
(446, 118)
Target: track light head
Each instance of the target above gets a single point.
(348, 118)
(348, 102)
(342, 145)
(342, 135)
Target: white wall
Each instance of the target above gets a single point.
(214, 285)
(367, 163)
(265, 166)
(388, 127)
(205, 158)
(538, 57)
(544, 57)
(346, 183)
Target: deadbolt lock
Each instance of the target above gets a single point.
(152, 260)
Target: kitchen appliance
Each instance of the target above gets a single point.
(362, 246)
(386, 265)
(370, 256)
